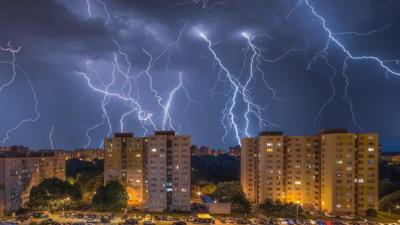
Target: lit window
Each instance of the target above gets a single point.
(270, 144)
(153, 150)
(339, 161)
(297, 182)
(138, 155)
(371, 149)
(137, 181)
(270, 150)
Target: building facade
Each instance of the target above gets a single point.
(334, 171)
(124, 162)
(168, 172)
(86, 154)
(234, 151)
(155, 170)
(20, 171)
(391, 157)
(206, 151)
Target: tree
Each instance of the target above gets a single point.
(389, 201)
(231, 192)
(386, 187)
(76, 166)
(89, 182)
(52, 194)
(112, 197)
(208, 189)
(214, 169)
(279, 209)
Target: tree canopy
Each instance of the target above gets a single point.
(76, 166)
(280, 209)
(88, 182)
(112, 197)
(231, 192)
(52, 194)
(390, 201)
(214, 169)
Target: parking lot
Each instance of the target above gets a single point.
(78, 218)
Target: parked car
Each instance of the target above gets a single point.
(179, 223)
(131, 221)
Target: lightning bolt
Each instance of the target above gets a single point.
(228, 114)
(147, 72)
(51, 137)
(89, 8)
(255, 66)
(332, 39)
(168, 104)
(11, 50)
(104, 103)
(144, 117)
(128, 82)
(229, 119)
(127, 92)
(106, 11)
(167, 122)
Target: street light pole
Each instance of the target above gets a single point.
(297, 210)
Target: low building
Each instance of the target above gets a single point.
(391, 157)
(21, 170)
(234, 151)
(206, 151)
(215, 207)
(86, 154)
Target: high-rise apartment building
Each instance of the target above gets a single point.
(348, 172)
(21, 170)
(249, 168)
(168, 172)
(299, 170)
(124, 160)
(155, 170)
(334, 171)
(270, 166)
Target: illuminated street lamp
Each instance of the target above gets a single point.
(297, 209)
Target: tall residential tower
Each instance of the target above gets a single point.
(155, 170)
(334, 171)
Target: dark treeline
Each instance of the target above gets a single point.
(215, 169)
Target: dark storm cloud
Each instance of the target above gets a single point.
(59, 37)
(46, 28)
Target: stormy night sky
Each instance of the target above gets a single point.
(218, 70)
